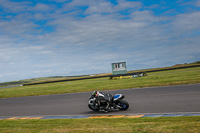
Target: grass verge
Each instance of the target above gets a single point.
(121, 125)
(163, 78)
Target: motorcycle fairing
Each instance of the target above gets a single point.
(118, 96)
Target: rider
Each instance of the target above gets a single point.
(101, 96)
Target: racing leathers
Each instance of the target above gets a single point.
(103, 100)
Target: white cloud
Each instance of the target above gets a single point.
(187, 21)
(41, 7)
(123, 4)
(20, 27)
(84, 45)
(197, 3)
(101, 7)
(60, 1)
(15, 7)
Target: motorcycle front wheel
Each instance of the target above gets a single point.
(93, 108)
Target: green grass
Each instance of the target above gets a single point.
(163, 78)
(119, 125)
(64, 78)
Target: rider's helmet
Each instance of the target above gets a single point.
(95, 93)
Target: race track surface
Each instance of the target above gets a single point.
(153, 100)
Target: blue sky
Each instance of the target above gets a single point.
(40, 38)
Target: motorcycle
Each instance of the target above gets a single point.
(117, 102)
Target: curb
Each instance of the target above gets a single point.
(94, 116)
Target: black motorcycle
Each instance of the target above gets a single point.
(117, 102)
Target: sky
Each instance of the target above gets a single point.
(41, 38)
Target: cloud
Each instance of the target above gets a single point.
(101, 7)
(41, 7)
(17, 27)
(14, 7)
(60, 1)
(84, 37)
(186, 24)
(197, 3)
(123, 5)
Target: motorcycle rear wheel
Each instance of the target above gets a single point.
(124, 104)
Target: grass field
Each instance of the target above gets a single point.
(65, 78)
(118, 125)
(163, 78)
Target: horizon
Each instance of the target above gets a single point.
(196, 62)
(75, 37)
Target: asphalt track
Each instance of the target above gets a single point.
(180, 99)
